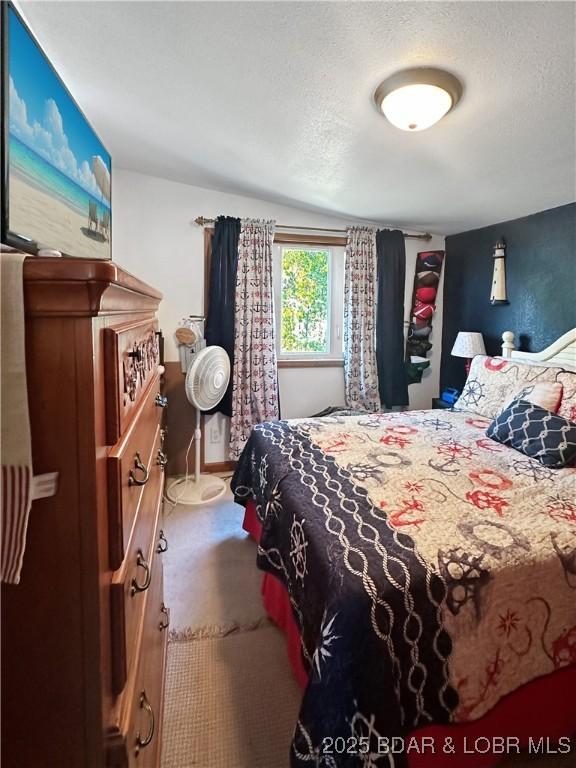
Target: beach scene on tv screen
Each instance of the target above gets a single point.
(58, 170)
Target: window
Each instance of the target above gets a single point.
(309, 301)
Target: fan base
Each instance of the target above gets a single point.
(208, 488)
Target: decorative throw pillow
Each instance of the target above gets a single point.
(568, 403)
(536, 432)
(494, 381)
(546, 394)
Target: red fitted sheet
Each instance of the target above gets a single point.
(545, 707)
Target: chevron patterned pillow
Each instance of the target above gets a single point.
(536, 432)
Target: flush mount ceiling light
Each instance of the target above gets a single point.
(415, 99)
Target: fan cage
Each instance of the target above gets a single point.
(208, 377)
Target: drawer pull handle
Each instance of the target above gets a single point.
(161, 459)
(166, 623)
(136, 354)
(138, 465)
(162, 543)
(141, 563)
(161, 401)
(143, 742)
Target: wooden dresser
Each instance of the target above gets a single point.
(84, 633)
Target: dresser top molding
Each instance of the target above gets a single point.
(84, 288)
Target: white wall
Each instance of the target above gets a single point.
(154, 236)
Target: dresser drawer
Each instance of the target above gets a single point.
(131, 361)
(134, 741)
(131, 583)
(130, 466)
(149, 690)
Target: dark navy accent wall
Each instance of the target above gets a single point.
(540, 280)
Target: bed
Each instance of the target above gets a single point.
(425, 577)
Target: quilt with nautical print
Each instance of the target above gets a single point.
(431, 570)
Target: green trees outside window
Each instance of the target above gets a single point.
(305, 308)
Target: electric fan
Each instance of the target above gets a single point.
(206, 382)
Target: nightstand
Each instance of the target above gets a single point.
(438, 403)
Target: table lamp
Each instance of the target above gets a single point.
(468, 344)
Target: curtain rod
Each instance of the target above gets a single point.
(202, 221)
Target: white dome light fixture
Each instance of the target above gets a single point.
(415, 99)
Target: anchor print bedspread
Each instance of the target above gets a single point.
(430, 569)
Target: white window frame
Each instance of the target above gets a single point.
(335, 301)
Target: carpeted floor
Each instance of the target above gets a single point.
(231, 700)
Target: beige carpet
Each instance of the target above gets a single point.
(231, 700)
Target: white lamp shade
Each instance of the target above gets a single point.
(468, 344)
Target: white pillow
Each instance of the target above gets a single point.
(546, 394)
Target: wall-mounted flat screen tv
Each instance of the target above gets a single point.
(56, 173)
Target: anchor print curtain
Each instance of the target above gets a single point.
(255, 377)
(360, 366)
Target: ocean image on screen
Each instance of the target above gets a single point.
(58, 170)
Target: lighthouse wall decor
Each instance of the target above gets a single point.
(498, 293)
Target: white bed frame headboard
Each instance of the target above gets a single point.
(561, 352)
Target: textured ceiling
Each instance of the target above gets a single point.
(274, 100)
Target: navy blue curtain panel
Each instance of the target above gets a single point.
(221, 293)
(391, 271)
